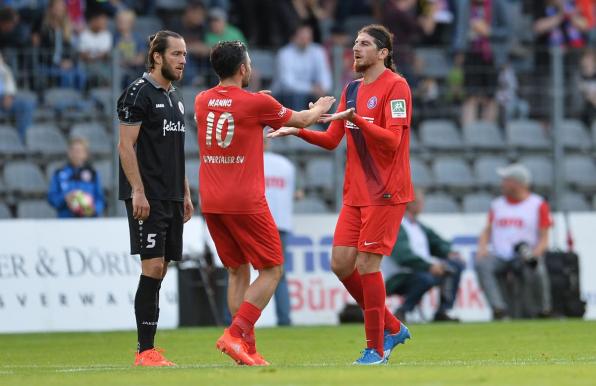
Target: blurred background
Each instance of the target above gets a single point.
(494, 82)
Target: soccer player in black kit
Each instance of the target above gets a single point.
(152, 180)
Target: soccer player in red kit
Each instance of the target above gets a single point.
(374, 114)
(230, 123)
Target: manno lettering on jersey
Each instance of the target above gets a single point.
(172, 126)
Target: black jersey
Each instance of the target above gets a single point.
(160, 145)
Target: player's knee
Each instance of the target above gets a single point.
(154, 268)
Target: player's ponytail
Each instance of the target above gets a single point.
(383, 39)
(158, 42)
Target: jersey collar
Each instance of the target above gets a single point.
(147, 76)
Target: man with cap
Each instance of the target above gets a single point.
(513, 243)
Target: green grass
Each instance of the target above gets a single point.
(561, 353)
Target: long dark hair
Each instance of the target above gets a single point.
(383, 39)
(159, 43)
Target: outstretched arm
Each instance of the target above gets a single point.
(389, 138)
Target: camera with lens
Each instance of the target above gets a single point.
(523, 253)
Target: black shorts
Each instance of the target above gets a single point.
(161, 234)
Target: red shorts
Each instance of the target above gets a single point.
(245, 238)
(371, 229)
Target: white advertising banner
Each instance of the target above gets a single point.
(317, 296)
(72, 275)
(77, 275)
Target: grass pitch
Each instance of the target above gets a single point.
(561, 353)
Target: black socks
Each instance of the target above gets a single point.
(147, 311)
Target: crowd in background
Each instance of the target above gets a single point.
(483, 41)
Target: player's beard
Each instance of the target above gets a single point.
(362, 67)
(246, 80)
(169, 73)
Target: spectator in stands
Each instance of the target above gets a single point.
(402, 19)
(346, 9)
(13, 33)
(95, 44)
(298, 12)
(421, 260)
(280, 177)
(340, 43)
(510, 104)
(220, 29)
(259, 33)
(481, 36)
(303, 73)
(437, 18)
(54, 35)
(192, 26)
(556, 23)
(12, 104)
(130, 46)
(75, 189)
(511, 248)
(587, 86)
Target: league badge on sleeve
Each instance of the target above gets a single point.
(398, 108)
(181, 107)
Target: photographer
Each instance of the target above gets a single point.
(512, 246)
(420, 260)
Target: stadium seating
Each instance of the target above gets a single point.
(440, 203)
(264, 62)
(484, 136)
(435, 63)
(527, 135)
(477, 202)
(147, 25)
(35, 209)
(320, 174)
(170, 5)
(4, 211)
(440, 134)
(106, 174)
(47, 140)
(452, 172)
(574, 135)
(100, 142)
(23, 177)
(10, 143)
(580, 171)
(310, 204)
(102, 97)
(574, 202)
(52, 167)
(541, 168)
(421, 174)
(485, 170)
(192, 173)
(191, 145)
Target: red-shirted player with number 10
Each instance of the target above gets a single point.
(374, 114)
(230, 123)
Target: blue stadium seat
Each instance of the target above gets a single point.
(541, 168)
(453, 173)
(25, 178)
(421, 174)
(4, 211)
(527, 134)
(484, 136)
(10, 143)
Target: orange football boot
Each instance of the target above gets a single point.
(258, 359)
(235, 348)
(152, 358)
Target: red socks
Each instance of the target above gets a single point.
(374, 309)
(244, 321)
(353, 284)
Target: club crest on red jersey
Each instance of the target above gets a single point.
(372, 102)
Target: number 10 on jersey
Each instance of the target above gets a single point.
(223, 118)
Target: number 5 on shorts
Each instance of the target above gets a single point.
(151, 240)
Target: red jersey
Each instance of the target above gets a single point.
(378, 162)
(230, 124)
